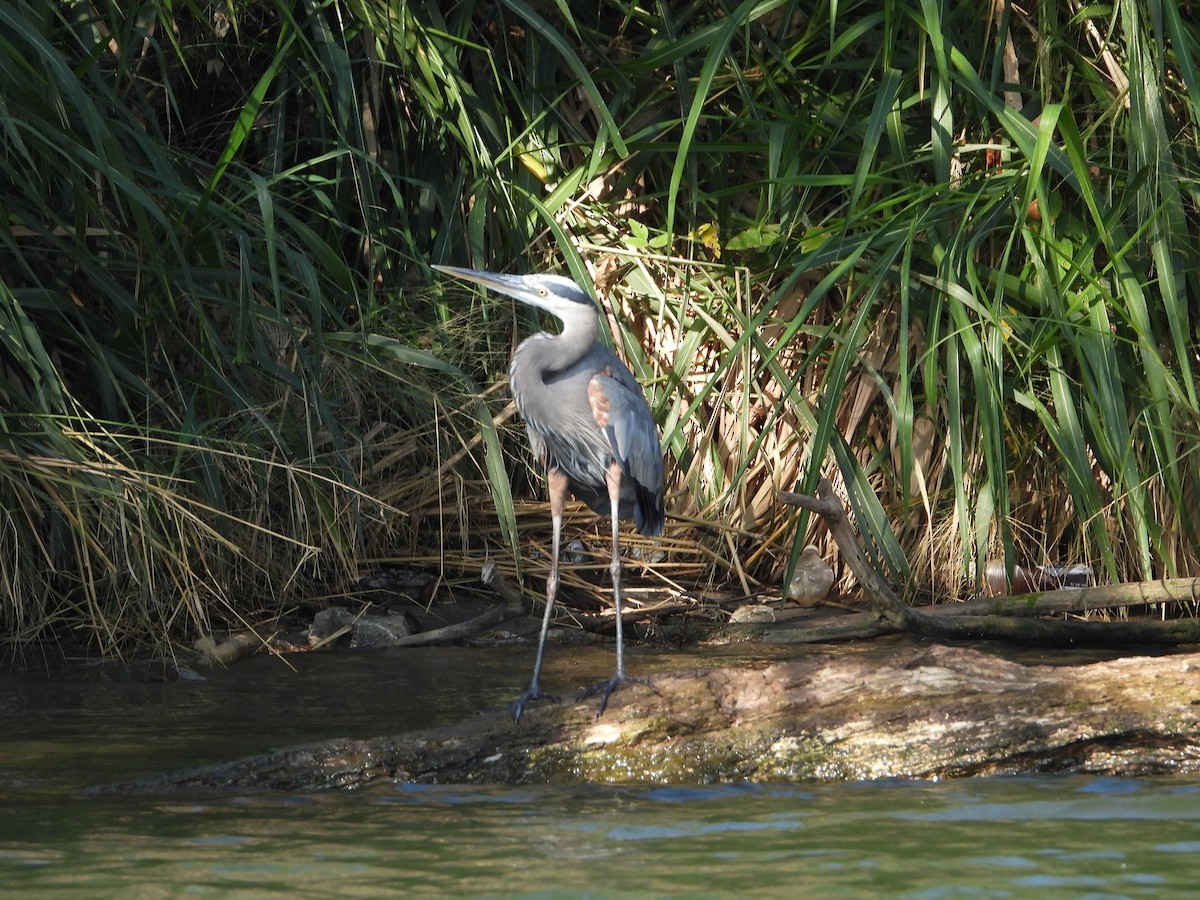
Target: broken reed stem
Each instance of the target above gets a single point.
(886, 605)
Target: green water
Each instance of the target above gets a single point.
(1015, 837)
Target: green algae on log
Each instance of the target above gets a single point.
(925, 711)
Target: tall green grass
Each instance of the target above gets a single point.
(946, 259)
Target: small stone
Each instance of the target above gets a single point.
(812, 579)
(753, 613)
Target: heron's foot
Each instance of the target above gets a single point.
(529, 696)
(605, 689)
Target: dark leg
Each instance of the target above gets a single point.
(605, 688)
(557, 482)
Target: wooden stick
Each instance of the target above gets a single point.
(886, 605)
(490, 575)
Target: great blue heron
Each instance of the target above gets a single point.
(589, 426)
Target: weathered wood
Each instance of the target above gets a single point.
(857, 627)
(513, 603)
(828, 506)
(236, 646)
(1062, 632)
(455, 632)
(1077, 600)
(918, 710)
(1026, 629)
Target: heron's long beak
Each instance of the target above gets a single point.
(512, 285)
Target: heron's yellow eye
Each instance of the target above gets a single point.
(542, 292)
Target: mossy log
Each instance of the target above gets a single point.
(925, 711)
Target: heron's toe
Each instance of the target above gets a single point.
(606, 688)
(528, 697)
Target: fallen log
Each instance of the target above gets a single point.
(1079, 599)
(1001, 621)
(912, 710)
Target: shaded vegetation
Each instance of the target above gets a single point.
(945, 258)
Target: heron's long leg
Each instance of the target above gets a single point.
(558, 486)
(614, 498)
(605, 688)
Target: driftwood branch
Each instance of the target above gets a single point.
(455, 632)
(1000, 618)
(885, 604)
(491, 576)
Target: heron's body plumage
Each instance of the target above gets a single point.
(563, 432)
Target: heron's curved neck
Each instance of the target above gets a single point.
(545, 353)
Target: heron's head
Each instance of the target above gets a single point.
(553, 293)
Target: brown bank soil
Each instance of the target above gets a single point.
(922, 709)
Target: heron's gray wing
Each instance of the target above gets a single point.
(624, 417)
